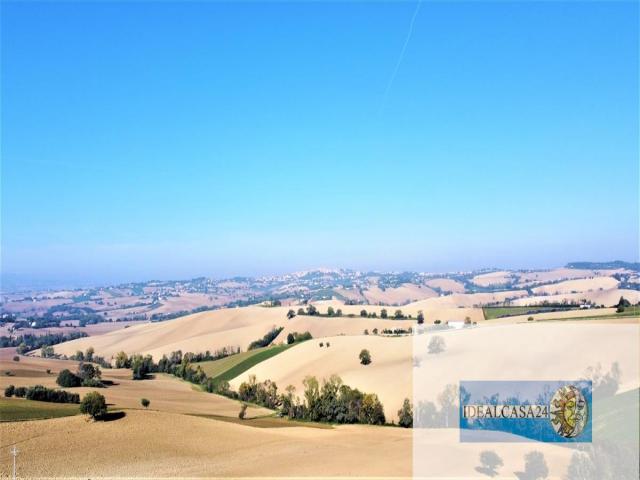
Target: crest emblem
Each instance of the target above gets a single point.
(569, 411)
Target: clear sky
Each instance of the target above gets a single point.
(170, 140)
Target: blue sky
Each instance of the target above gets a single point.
(165, 140)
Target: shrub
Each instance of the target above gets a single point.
(291, 314)
(20, 392)
(321, 344)
(529, 319)
(375, 331)
(68, 379)
(294, 337)
(366, 331)
(122, 361)
(16, 358)
(49, 371)
(94, 405)
(436, 345)
(267, 339)
(8, 392)
(328, 344)
(43, 394)
(437, 322)
(145, 402)
(365, 357)
(92, 382)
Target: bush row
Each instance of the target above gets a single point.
(42, 394)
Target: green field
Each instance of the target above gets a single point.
(267, 422)
(619, 417)
(230, 367)
(491, 313)
(16, 409)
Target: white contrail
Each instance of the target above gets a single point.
(404, 47)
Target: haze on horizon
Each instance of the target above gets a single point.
(255, 138)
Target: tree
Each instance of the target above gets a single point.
(375, 331)
(312, 310)
(420, 317)
(291, 314)
(8, 392)
(16, 358)
(490, 462)
(141, 366)
(436, 345)
(243, 411)
(290, 339)
(145, 402)
(94, 405)
(535, 466)
(86, 371)
(398, 314)
(68, 379)
(383, 313)
(365, 357)
(366, 331)
(47, 351)
(405, 414)
(339, 312)
(88, 356)
(122, 361)
(371, 410)
(301, 311)
(363, 313)
(330, 311)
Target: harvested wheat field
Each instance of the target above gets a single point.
(166, 392)
(581, 285)
(531, 351)
(333, 326)
(607, 298)
(374, 295)
(535, 351)
(388, 376)
(493, 278)
(456, 300)
(238, 327)
(446, 285)
(157, 444)
(559, 274)
(193, 333)
(605, 315)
